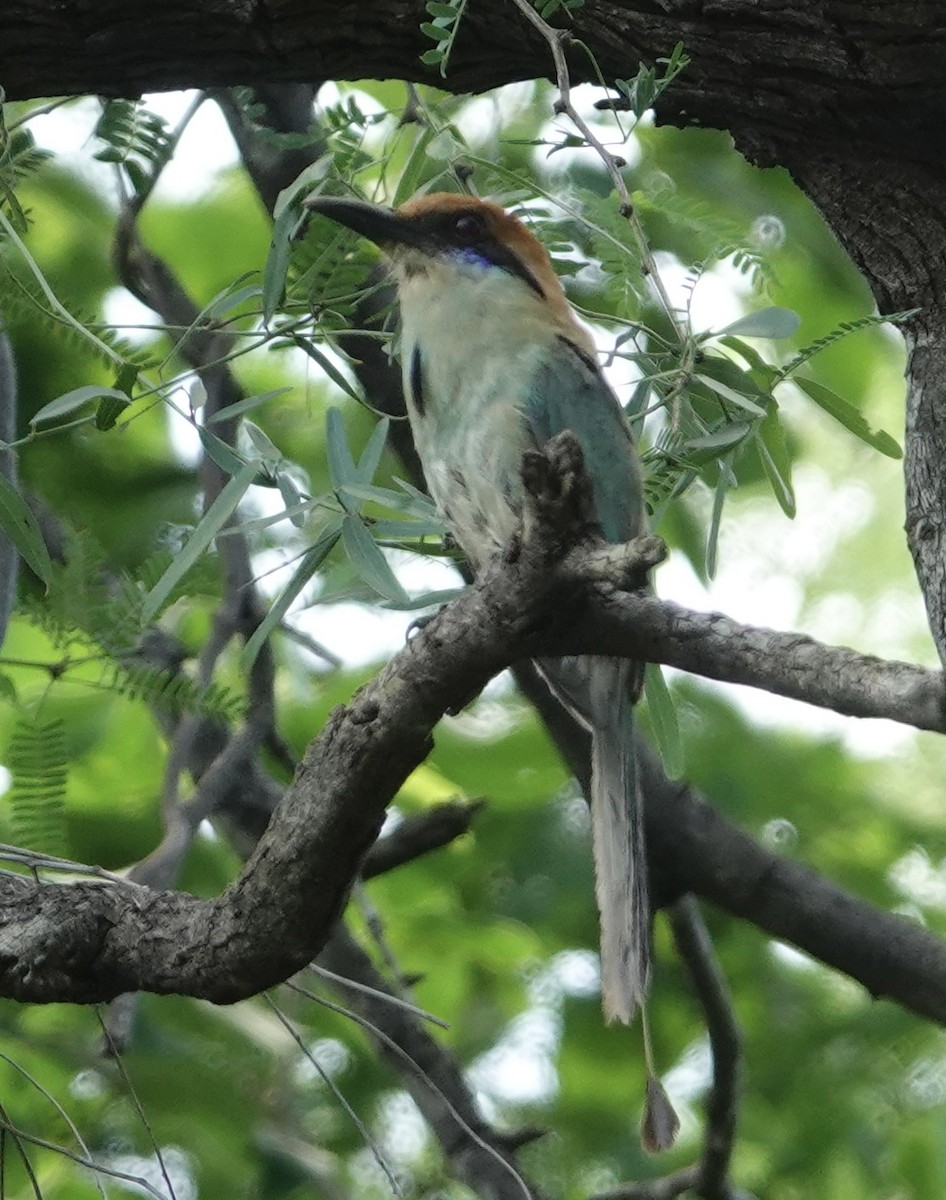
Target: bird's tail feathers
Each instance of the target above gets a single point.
(620, 864)
(597, 691)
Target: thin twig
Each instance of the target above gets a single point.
(73, 1128)
(557, 39)
(377, 994)
(356, 1120)
(116, 1057)
(696, 950)
(81, 1159)
(431, 1072)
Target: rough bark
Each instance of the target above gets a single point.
(842, 71)
(91, 941)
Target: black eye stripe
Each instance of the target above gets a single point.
(468, 230)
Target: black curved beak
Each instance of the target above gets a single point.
(380, 225)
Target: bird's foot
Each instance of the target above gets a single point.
(559, 490)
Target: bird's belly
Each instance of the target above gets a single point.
(466, 389)
(474, 478)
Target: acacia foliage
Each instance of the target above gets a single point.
(498, 927)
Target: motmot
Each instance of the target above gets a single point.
(495, 363)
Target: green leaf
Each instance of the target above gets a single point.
(438, 9)
(432, 58)
(341, 465)
(428, 599)
(730, 434)
(419, 505)
(247, 404)
(730, 394)
(38, 759)
(764, 374)
(222, 454)
(110, 408)
(308, 565)
(139, 177)
(303, 185)
(277, 261)
(418, 161)
(369, 562)
(719, 499)
(21, 527)
(18, 218)
(70, 402)
(772, 322)
(374, 448)
(663, 720)
(327, 366)
(725, 370)
(126, 377)
(437, 32)
(228, 300)
(295, 507)
(262, 443)
(398, 531)
(776, 462)
(845, 412)
(206, 530)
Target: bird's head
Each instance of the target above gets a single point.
(447, 230)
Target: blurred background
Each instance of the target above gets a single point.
(843, 1096)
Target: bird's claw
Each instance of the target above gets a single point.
(421, 622)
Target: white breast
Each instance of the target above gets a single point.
(480, 335)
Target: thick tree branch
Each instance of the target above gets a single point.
(861, 67)
(638, 625)
(698, 851)
(92, 941)
(89, 944)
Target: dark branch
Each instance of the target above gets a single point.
(696, 949)
(90, 941)
(695, 849)
(419, 834)
(638, 625)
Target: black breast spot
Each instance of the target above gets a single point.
(416, 381)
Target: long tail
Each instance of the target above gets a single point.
(618, 834)
(597, 691)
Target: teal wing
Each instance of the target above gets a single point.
(569, 392)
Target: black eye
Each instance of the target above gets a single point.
(467, 227)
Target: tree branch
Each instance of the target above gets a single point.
(91, 941)
(696, 949)
(638, 625)
(695, 849)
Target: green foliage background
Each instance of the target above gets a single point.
(842, 1096)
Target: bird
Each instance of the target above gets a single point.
(495, 363)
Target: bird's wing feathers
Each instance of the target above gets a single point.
(568, 392)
